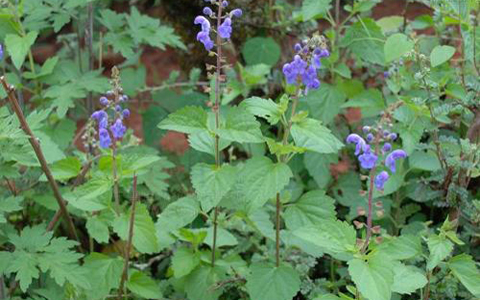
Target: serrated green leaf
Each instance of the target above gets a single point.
(205, 142)
(200, 284)
(94, 195)
(178, 214)
(189, 119)
(441, 54)
(258, 181)
(212, 183)
(143, 285)
(97, 228)
(311, 209)
(407, 279)
(105, 274)
(440, 248)
(63, 96)
(403, 247)
(373, 278)
(264, 108)
(144, 237)
(310, 134)
(312, 8)
(65, 169)
(334, 237)
(18, 46)
(240, 126)
(396, 46)
(267, 282)
(365, 39)
(184, 261)
(463, 267)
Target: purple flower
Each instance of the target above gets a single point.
(201, 20)
(368, 160)
(358, 141)
(104, 137)
(126, 113)
(297, 47)
(294, 69)
(207, 11)
(392, 157)
(387, 147)
(310, 79)
(370, 137)
(224, 3)
(236, 12)
(104, 101)
(316, 61)
(386, 133)
(381, 179)
(109, 93)
(366, 129)
(225, 29)
(118, 129)
(99, 115)
(1, 52)
(124, 98)
(204, 38)
(103, 123)
(386, 74)
(393, 136)
(118, 108)
(324, 53)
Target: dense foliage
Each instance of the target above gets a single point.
(264, 150)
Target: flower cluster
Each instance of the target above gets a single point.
(225, 28)
(111, 101)
(368, 158)
(305, 63)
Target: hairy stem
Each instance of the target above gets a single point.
(129, 240)
(216, 110)
(41, 158)
(116, 195)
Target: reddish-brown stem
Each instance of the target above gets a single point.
(216, 110)
(129, 240)
(41, 158)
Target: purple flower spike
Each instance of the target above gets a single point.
(1, 52)
(225, 29)
(309, 78)
(104, 101)
(236, 13)
(126, 113)
(105, 140)
(207, 11)
(99, 115)
(392, 157)
(324, 53)
(118, 129)
(358, 141)
(381, 179)
(368, 160)
(387, 147)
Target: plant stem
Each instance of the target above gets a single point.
(115, 178)
(41, 158)
(216, 110)
(91, 57)
(282, 159)
(130, 238)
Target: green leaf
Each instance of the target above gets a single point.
(334, 237)
(104, 274)
(240, 126)
(18, 47)
(94, 195)
(200, 284)
(390, 23)
(261, 50)
(97, 228)
(258, 181)
(310, 134)
(464, 268)
(365, 39)
(403, 247)
(65, 169)
(373, 278)
(212, 183)
(144, 237)
(311, 209)
(143, 285)
(327, 297)
(178, 214)
(224, 238)
(325, 103)
(312, 8)
(205, 142)
(422, 160)
(25, 266)
(184, 260)
(133, 79)
(441, 54)
(267, 282)
(189, 119)
(8, 205)
(396, 46)
(47, 69)
(264, 108)
(440, 247)
(407, 279)
(64, 95)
